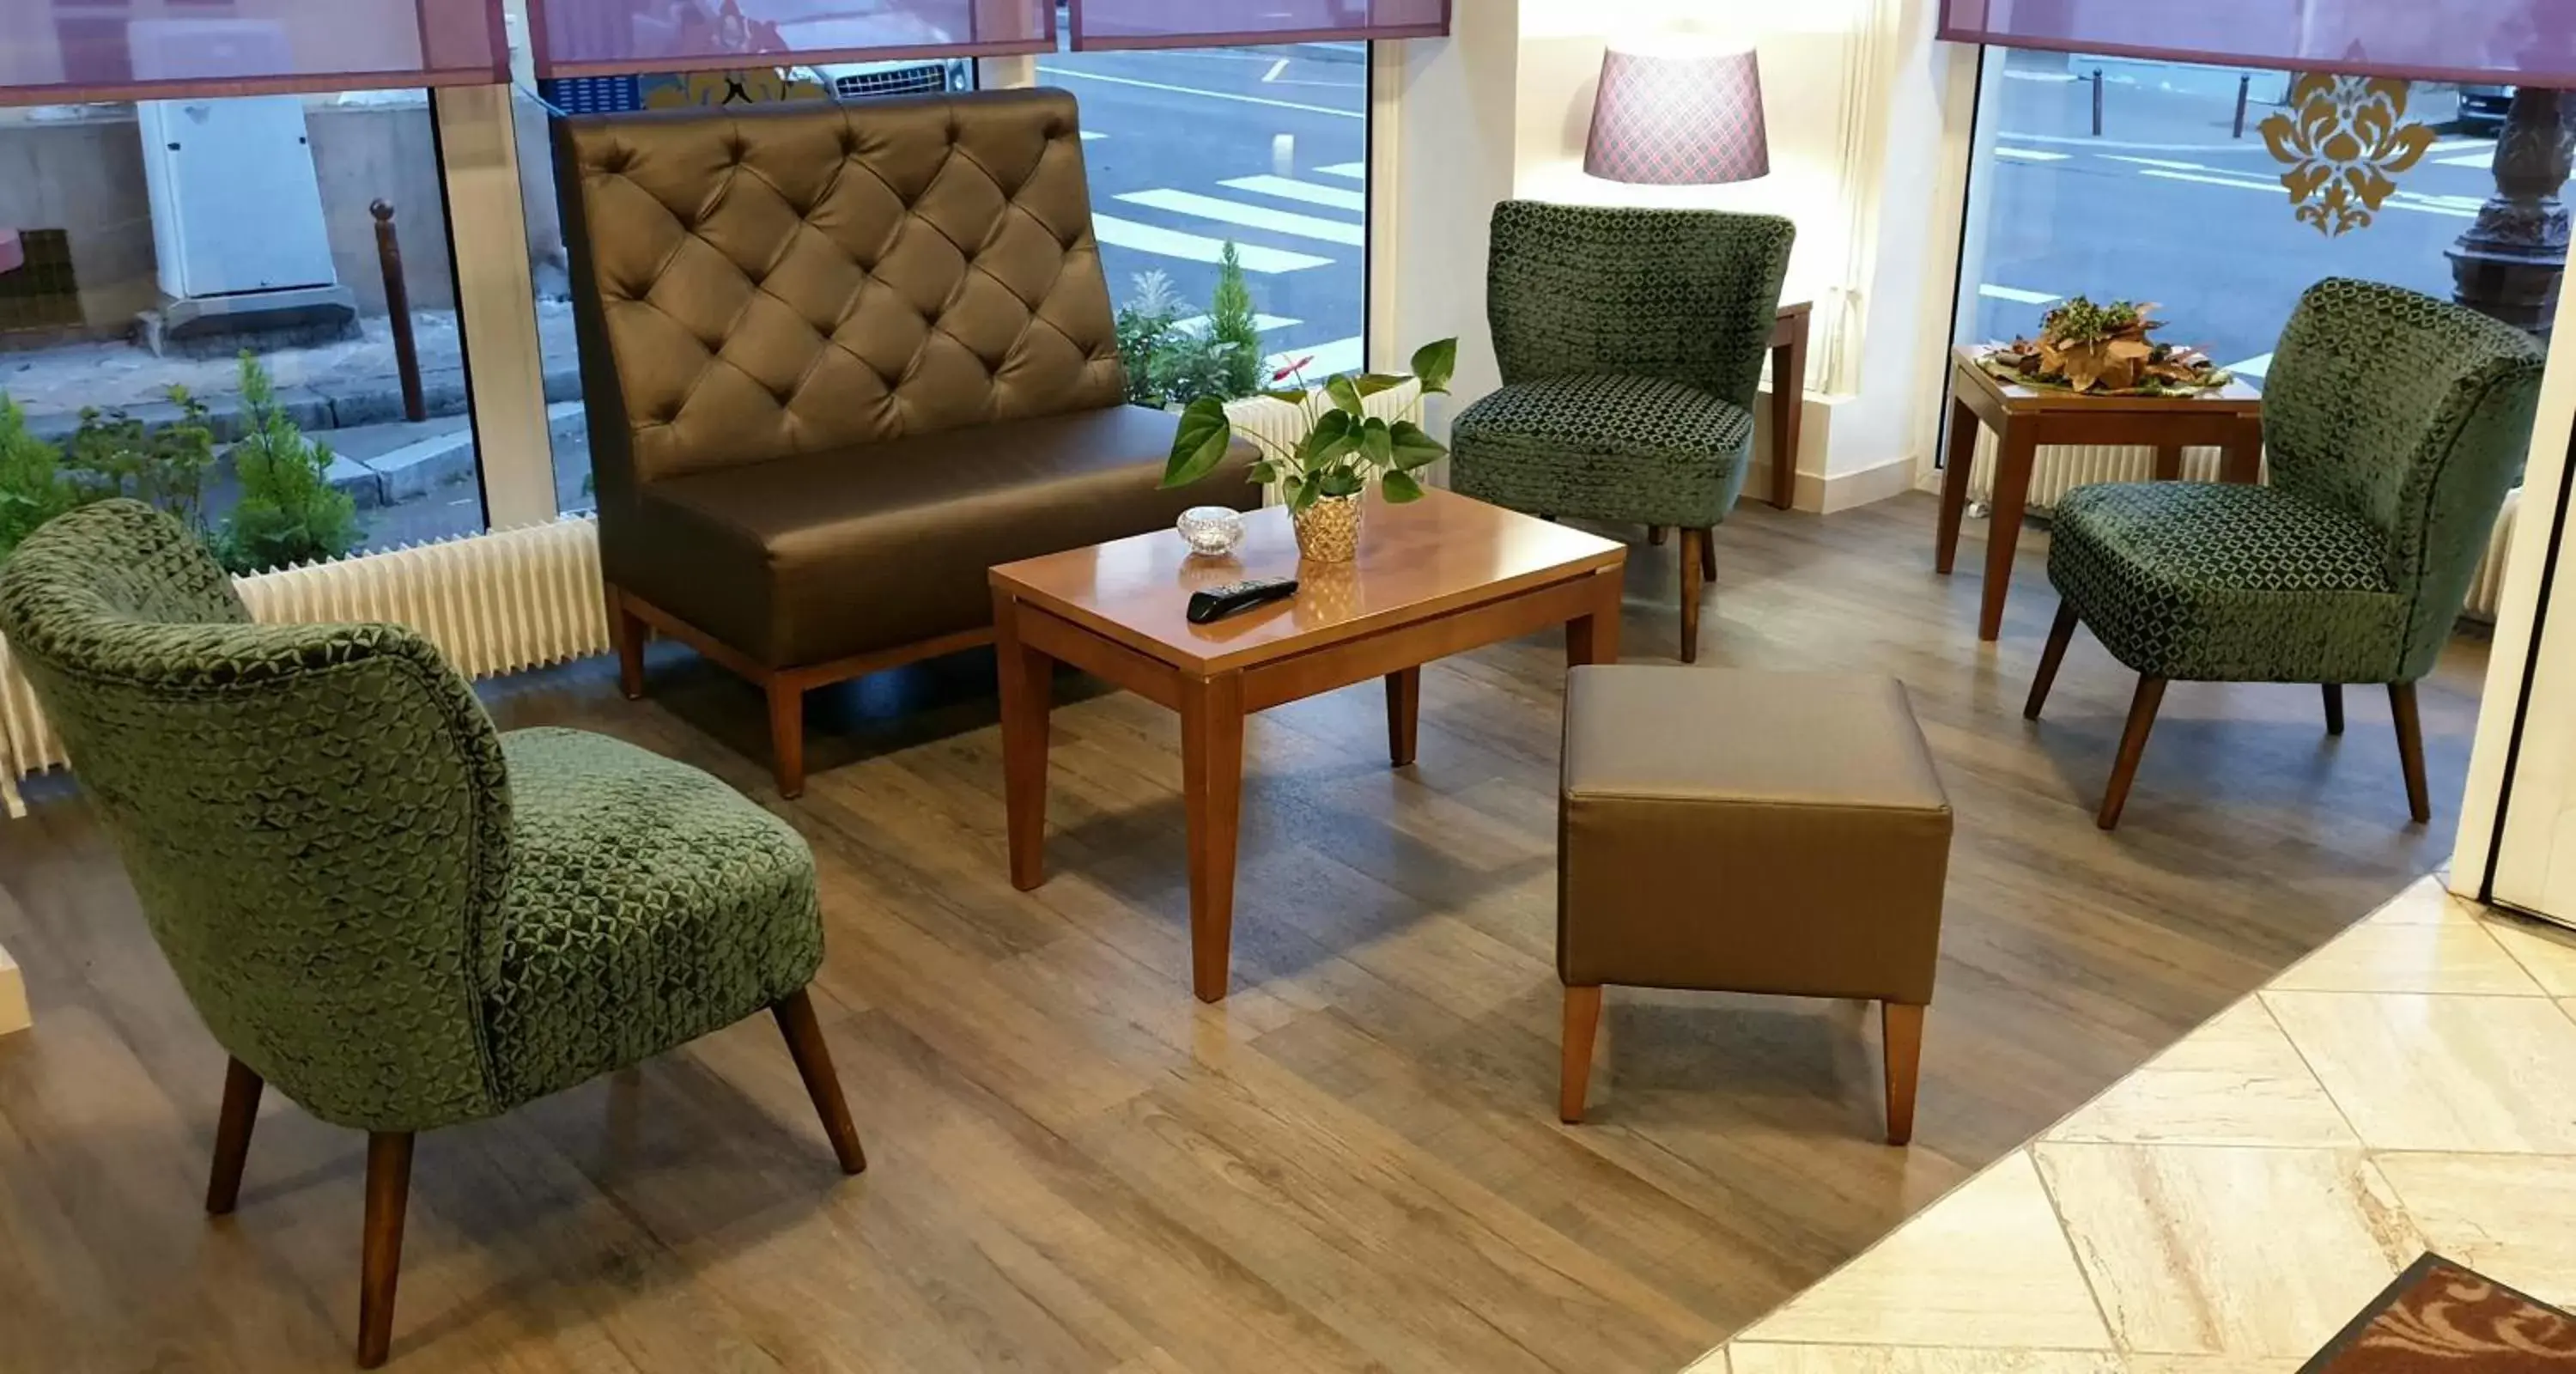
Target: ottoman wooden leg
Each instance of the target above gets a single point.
(1902, 1026)
(1582, 1022)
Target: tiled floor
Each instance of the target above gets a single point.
(2229, 1206)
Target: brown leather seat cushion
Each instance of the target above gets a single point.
(1744, 831)
(808, 559)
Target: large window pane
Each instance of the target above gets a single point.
(167, 242)
(1265, 149)
(2170, 201)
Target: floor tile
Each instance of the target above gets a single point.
(2235, 1081)
(2424, 902)
(2451, 957)
(1909, 1359)
(1985, 1267)
(2510, 1217)
(2413, 1072)
(2227, 1250)
(2548, 951)
(2210, 1364)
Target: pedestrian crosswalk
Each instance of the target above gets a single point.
(1172, 243)
(1345, 232)
(1288, 188)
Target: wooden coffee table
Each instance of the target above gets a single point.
(1437, 577)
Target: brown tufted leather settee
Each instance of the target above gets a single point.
(839, 360)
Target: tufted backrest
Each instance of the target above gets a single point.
(2414, 414)
(1684, 295)
(757, 284)
(315, 817)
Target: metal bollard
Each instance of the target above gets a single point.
(2244, 96)
(2097, 102)
(398, 310)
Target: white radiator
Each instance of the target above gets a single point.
(493, 603)
(2062, 468)
(1278, 422)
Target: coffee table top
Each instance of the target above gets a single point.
(2235, 398)
(1430, 557)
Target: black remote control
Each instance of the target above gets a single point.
(1216, 603)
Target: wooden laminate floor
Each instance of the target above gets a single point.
(1351, 1164)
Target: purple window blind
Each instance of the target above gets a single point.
(2507, 42)
(615, 37)
(65, 51)
(1099, 24)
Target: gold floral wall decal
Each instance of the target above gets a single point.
(2345, 139)
(757, 87)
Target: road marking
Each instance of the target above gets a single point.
(2053, 78)
(1265, 323)
(2402, 201)
(2032, 155)
(1250, 216)
(2257, 367)
(1171, 243)
(1341, 355)
(2166, 163)
(2098, 144)
(1287, 188)
(2484, 157)
(1092, 136)
(2014, 294)
(1276, 70)
(1348, 171)
(2462, 145)
(2272, 186)
(1210, 95)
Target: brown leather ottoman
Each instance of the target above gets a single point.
(1732, 831)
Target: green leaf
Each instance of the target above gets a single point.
(1414, 448)
(1204, 438)
(1377, 442)
(1377, 382)
(1400, 488)
(1332, 436)
(1342, 482)
(1345, 394)
(1294, 398)
(1306, 491)
(1435, 364)
(1264, 472)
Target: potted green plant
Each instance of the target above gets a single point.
(1343, 449)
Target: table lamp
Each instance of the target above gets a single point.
(1680, 112)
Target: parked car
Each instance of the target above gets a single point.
(2483, 108)
(879, 28)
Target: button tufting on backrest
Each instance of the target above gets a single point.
(810, 278)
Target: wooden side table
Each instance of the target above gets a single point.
(2024, 418)
(1788, 397)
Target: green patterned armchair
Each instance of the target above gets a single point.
(398, 916)
(2395, 424)
(1632, 344)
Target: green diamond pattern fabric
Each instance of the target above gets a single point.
(1610, 447)
(2395, 423)
(398, 917)
(1655, 324)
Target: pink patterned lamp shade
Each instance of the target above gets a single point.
(1684, 117)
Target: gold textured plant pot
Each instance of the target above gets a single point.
(1329, 530)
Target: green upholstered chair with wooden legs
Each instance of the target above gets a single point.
(1632, 345)
(400, 917)
(2395, 425)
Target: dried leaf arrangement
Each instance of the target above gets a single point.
(2104, 350)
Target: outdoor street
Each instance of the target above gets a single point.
(1267, 146)
(2167, 207)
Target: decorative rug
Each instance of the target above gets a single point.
(2441, 1316)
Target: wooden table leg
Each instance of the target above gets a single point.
(2014, 456)
(2242, 461)
(1212, 788)
(1027, 692)
(1403, 714)
(1595, 638)
(1957, 462)
(2168, 462)
(1788, 412)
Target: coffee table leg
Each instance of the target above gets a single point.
(2013, 460)
(1594, 638)
(1027, 691)
(1212, 789)
(1403, 714)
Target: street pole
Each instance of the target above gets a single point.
(2097, 102)
(398, 312)
(2244, 97)
(2512, 260)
